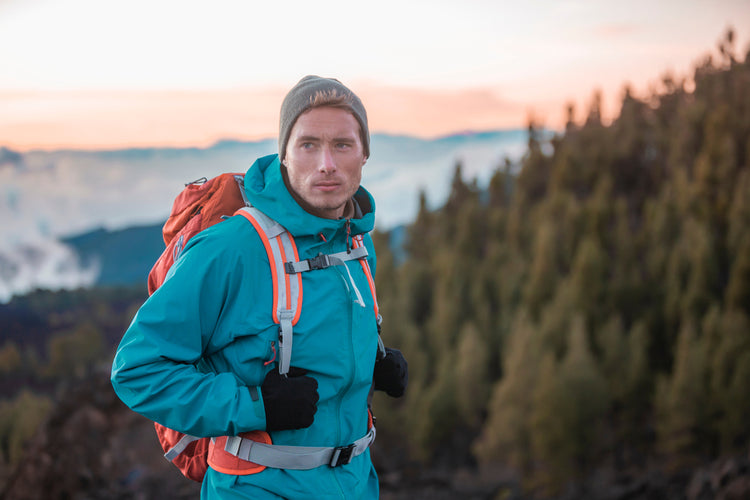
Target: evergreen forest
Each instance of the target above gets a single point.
(595, 308)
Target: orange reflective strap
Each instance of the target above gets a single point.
(287, 284)
(299, 281)
(370, 280)
(287, 278)
(272, 261)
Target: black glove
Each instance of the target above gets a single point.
(391, 373)
(291, 401)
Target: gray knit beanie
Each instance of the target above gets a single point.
(300, 98)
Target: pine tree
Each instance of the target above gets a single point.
(543, 271)
(589, 279)
(534, 176)
(738, 289)
(437, 414)
(10, 358)
(569, 407)
(615, 356)
(506, 434)
(472, 375)
(20, 418)
(730, 379)
(682, 399)
(638, 380)
(739, 214)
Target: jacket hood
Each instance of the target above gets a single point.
(266, 190)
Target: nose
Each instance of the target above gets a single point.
(327, 162)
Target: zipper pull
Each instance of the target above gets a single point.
(348, 236)
(273, 349)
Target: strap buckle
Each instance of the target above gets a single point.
(319, 262)
(342, 455)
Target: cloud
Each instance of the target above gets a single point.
(45, 264)
(63, 193)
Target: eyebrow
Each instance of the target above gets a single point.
(313, 138)
(307, 138)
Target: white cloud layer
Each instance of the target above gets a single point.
(45, 196)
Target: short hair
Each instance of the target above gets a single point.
(332, 98)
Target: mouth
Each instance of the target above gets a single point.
(326, 186)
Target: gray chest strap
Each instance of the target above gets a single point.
(323, 261)
(297, 457)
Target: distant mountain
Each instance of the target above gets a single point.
(47, 196)
(124, 257)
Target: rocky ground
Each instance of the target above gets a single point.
(92, 448)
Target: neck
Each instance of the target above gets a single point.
(348, 212)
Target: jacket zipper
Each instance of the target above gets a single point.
(347, 388)
(348, 236)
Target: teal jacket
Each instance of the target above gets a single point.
(207, 334)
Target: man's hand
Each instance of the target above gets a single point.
(391, 373)
(291, 401)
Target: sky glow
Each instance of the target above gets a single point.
(93, 74)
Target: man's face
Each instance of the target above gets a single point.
(324, 160)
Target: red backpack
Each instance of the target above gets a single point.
(200, 205)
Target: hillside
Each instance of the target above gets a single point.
(123, 257)
(597, 305)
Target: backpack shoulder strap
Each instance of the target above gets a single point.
(359, 244)
(287, 289)
(286, 272)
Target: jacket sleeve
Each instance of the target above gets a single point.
(154, 370)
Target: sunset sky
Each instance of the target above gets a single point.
(95, 74)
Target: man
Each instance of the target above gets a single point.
(201, 354)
